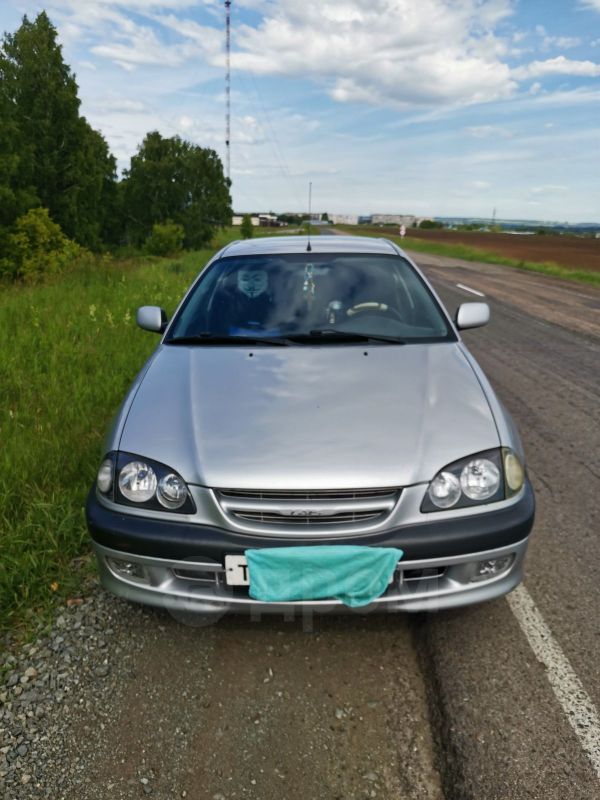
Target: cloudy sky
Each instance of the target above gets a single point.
(445, 107)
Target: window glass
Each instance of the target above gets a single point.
(294, 294)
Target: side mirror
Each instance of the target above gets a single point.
(152, 318)
(472, 315)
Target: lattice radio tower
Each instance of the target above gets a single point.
(228, 89)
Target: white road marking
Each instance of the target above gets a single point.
(569, 691)
(468, 289)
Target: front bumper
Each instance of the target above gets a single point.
(184, 572)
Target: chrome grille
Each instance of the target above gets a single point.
(329, 519)
(428, 574)
(325, 494)
(307, 509)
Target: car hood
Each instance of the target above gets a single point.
(316, 417)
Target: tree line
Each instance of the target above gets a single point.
(59, 178)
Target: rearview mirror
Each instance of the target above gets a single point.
(152, 318)
(472, 315)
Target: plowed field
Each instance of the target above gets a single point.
(568, 251)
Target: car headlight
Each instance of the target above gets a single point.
(481, 478)
(137, 481)
(444, 490)
(172, 491)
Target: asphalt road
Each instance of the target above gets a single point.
(453, 705)
(504, 731)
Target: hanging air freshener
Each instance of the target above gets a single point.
(308, 287)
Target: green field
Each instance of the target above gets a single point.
(69, 351)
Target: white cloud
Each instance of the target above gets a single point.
(591, 4)
(562, 42)
(384, 52)
(124, 104)
(126, 65)
(480, 184)
(548, 189)
(109, 30)
(142, 46)
(486, 131)
(209, 40)
(557, 66)
(574, 97)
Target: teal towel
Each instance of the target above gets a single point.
(355, 575)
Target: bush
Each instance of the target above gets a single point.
(166, 239)
(246, 228)
(36, 247)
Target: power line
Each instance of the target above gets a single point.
(273, 138)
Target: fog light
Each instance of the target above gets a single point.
(484, 570)
(128, 569)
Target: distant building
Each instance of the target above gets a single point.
(237, 220)
(268, 220)
(394, 219)
(344, 219)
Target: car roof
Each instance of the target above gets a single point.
(319, 244)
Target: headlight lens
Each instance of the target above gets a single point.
(470, 481)
(137, 482)
(480, 479)
(104, 478)
(142, 482)
(172, 491)
(444, 490)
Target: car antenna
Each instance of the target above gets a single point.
(308, 247)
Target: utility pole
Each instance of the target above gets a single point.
(228, 90)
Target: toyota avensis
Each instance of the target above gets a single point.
(307, 395)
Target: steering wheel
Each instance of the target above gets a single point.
(373, 307)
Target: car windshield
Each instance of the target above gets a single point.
(310, 297)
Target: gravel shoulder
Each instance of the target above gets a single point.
(127, 702)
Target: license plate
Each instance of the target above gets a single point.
(236, 571)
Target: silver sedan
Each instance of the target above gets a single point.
(308, 395)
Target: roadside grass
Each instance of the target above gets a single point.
(467, 253)
(69, 350)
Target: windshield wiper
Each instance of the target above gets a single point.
(210, 338)
(328, 334)
(318, 335)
